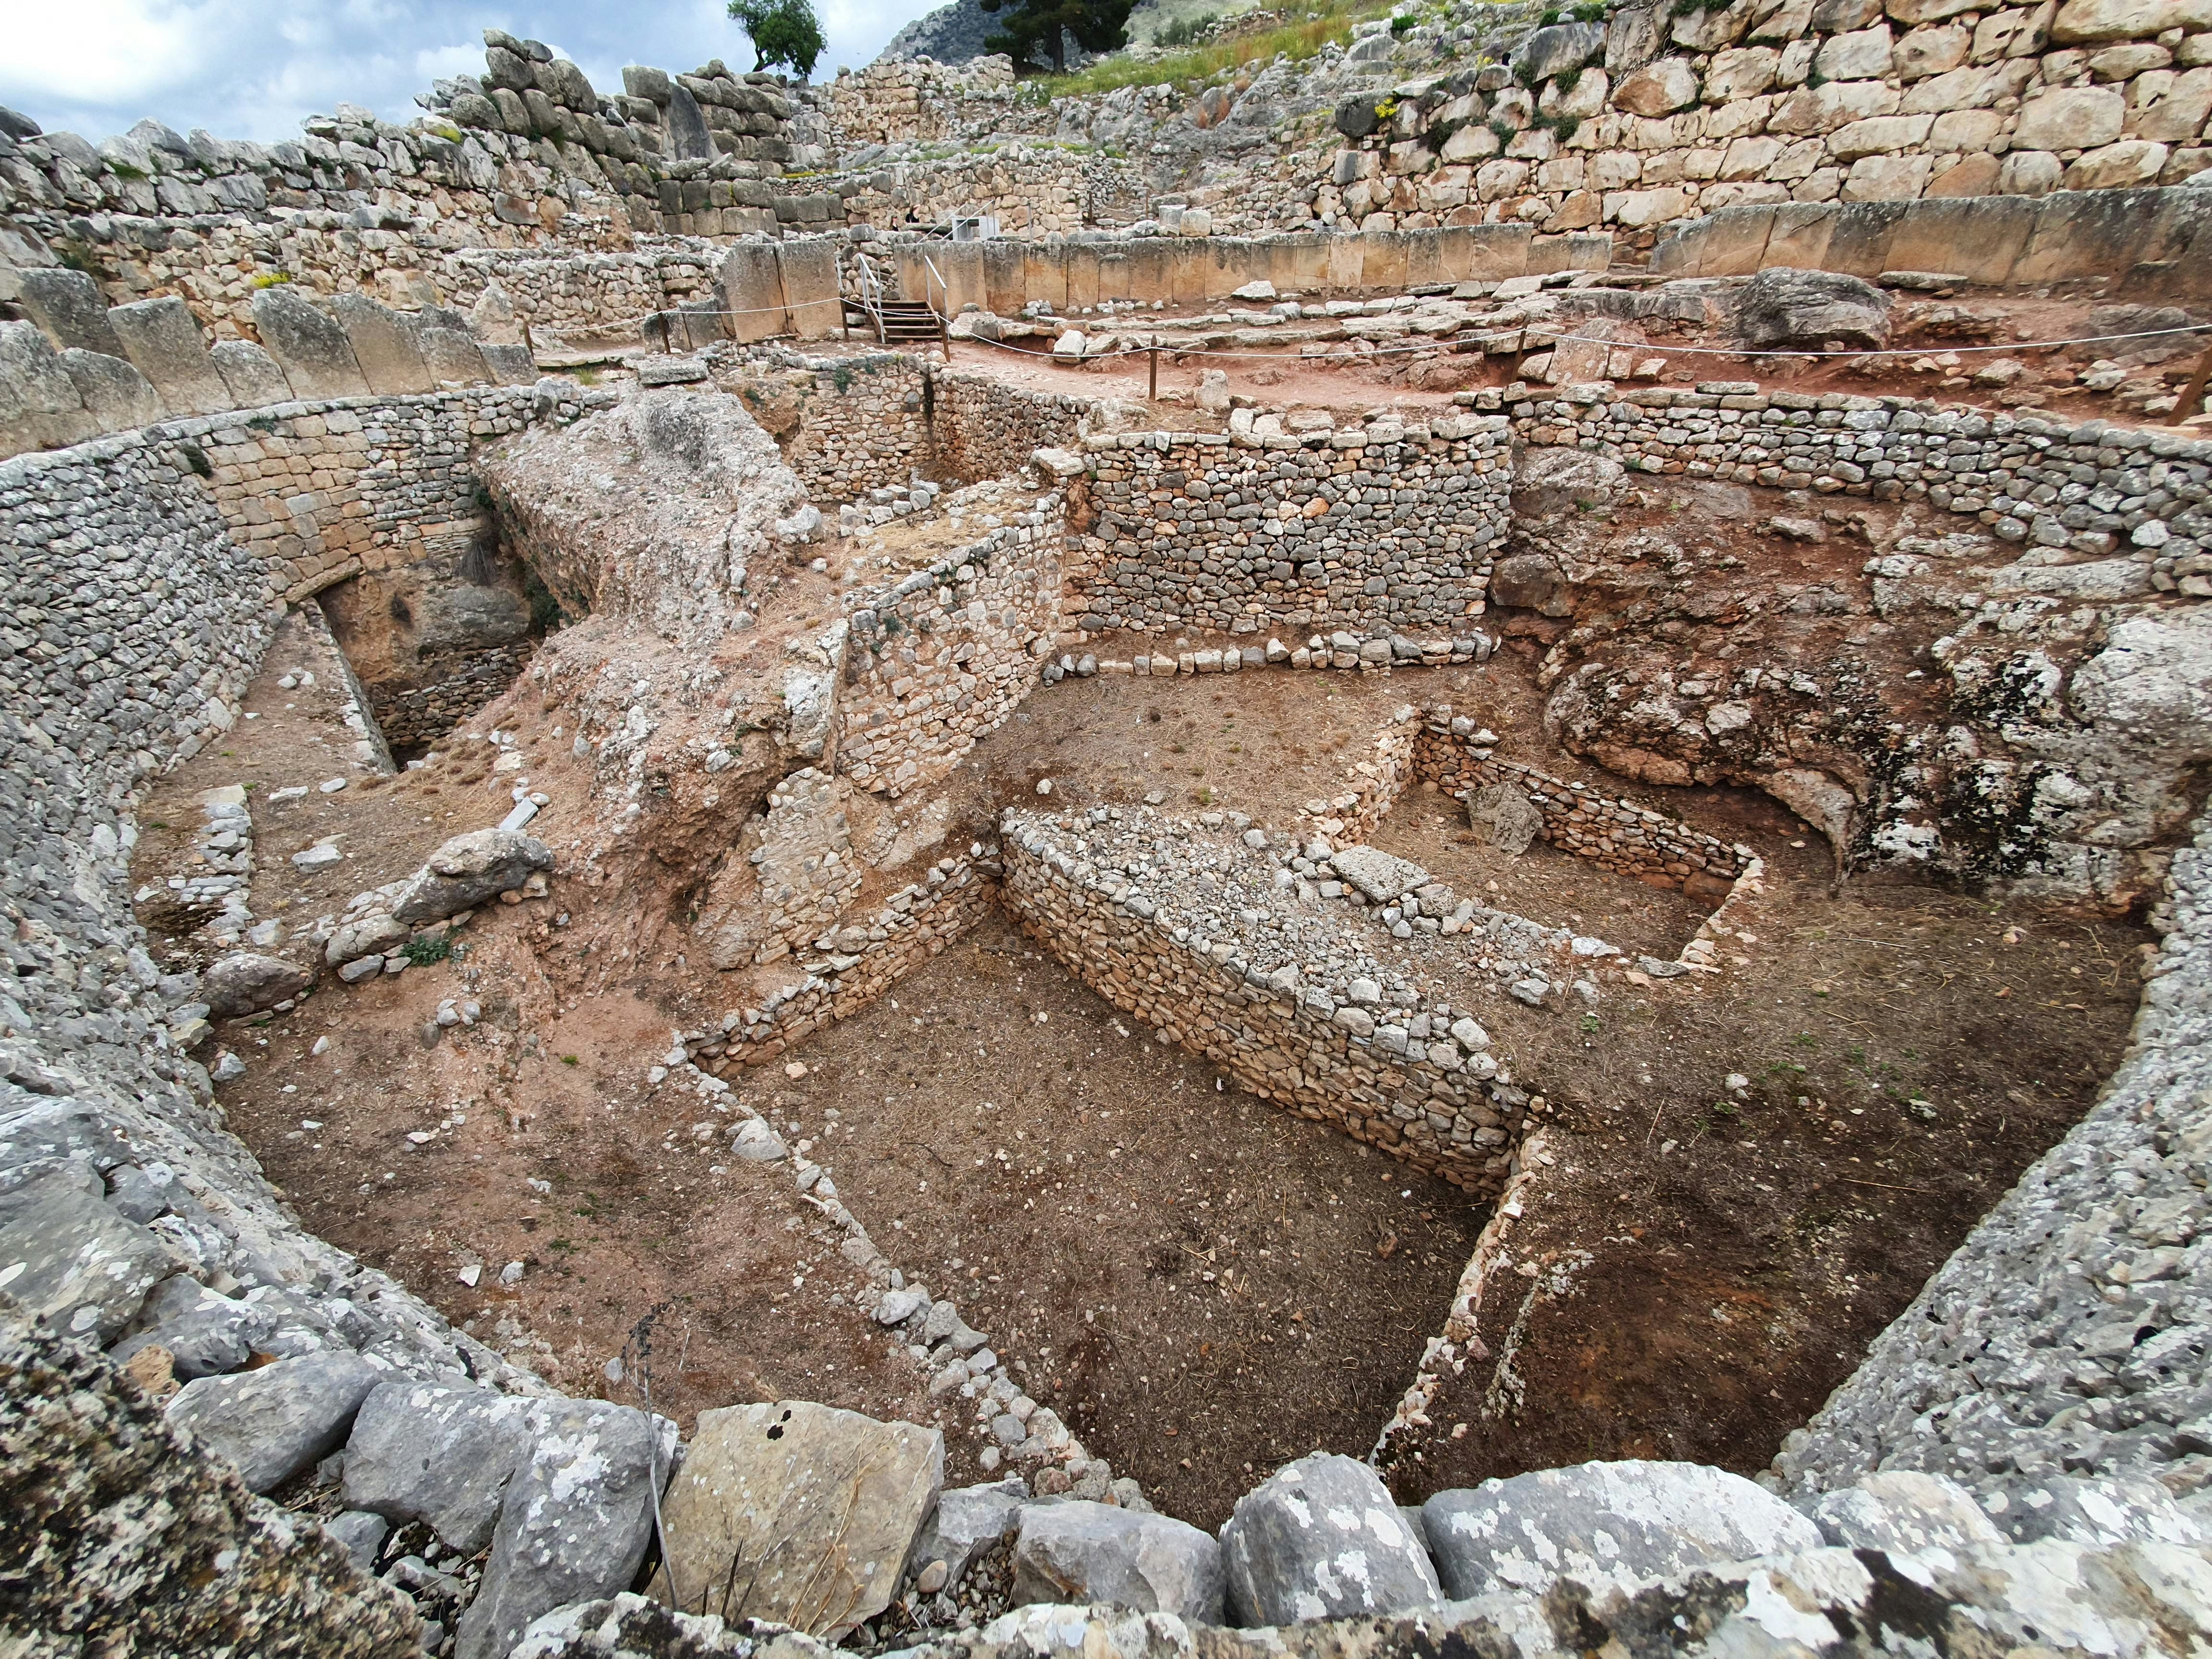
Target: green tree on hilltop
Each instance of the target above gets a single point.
(782, 32)
(1096, 25)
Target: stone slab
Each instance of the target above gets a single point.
(819, 1509)
(313, 350)
(1079, 1553)
(163, 339)
(274, 1422)
(76, 1263)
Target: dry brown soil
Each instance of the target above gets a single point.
(1700, 1267)
(1204, 1285)
(1544, 884)
(1735, 1274)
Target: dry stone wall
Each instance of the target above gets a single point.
(942, 657)
(2118, 512)
(1297, 1008)
(1385, 526)
(1628, 839)
(848, 967)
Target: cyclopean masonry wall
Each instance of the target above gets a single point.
(1385, 526)
(1301, 1009)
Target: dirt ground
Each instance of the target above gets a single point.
(1202, 1285)
(638, 1211)
(1702, 1266)
(1263, 742)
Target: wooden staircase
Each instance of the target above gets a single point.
(896, 322)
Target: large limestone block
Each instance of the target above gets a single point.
(1603, 1524)
(468, 871)
(2070, 118)
(969, 1521)
(450, 355)
(1780, 308)
(1322, 1538)
(246, 983)
(316, 356)
(1978, 237)
(164, 340)
(1382, 876)
(1860, 55)
(811, 293)
(113, 391)
(2079, 21)
(1812, 110)
(251, 374)
(752, 288)
(69, 307)
(383, 345)
(817, 1509)
(1079, 1553)
(575, 1521)
(273, 1422)
(1658, 88)
(684, 125)
(2124, 166)
(1903, 1510)
(2086, 233)
(419, 1452)
(73, 1261)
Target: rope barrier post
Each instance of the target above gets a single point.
(944, 335)
(1152, 391)
(2192, 396)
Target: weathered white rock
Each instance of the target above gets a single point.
(1322, 1538)
(820, 1507)
(273, 1422)
(575, 1521)
(1081, 1551)
(1604, 1524)
(442, 1455)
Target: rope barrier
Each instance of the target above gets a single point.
(1438, 344)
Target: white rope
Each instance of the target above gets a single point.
(1439, 344)
(1890, 351)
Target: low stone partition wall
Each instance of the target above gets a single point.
(1294, 1006)
(1385, 526)
(1622, 836)
(851, 966)
(2138, 501)
(942, 656)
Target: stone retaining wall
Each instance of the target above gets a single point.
(1623, 837)
(1337, 1053)
(135, 620)
(321, 492)
(942, 656)
(2138, 504)
(2067, 1336)
(1388, 526)
(851, 966)
(985, 426)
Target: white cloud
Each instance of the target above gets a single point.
(253, 69)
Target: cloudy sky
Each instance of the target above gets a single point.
(251, 69)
